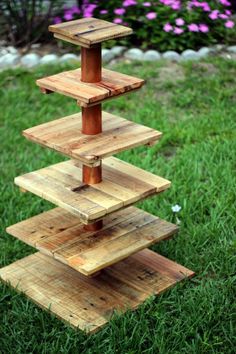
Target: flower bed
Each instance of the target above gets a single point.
(163, 24)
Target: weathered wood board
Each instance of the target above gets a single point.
(61, 235)
(87, 32)
(88, 303)
(64, 135)
(69, 84)
(123, 184)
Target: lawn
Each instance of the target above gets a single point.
(194, 105)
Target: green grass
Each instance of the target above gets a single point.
(194, 105)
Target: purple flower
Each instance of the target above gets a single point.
(176, 6)
(147, 4)
(168, 27)
(228, 12)
(117, 20)
(179, 22)
(193, 27)
(127, 3)
(203, 28)
(206, 7)
(178, 30)
(103, 12)
(229, 24)
(223, 16)
(57, 20)
(119, 11)
(151, 15)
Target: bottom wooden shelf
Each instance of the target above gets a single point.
(88, 303)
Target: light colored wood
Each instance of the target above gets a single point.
(88, 303)
(69, 84)
(88, 32)
(124, 232)
(64, 135)
(62, 185)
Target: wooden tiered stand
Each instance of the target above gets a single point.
(93, 257)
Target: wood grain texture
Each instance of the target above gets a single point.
(88, 32)
(88, 303)
(69, 84)
(122, 185)
(64, 135)
(59, 235)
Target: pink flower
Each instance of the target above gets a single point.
(206, 7)
(57, 20)
(225, 2)
(117, 20)
(179, 22)
(193, 27)
(151, 15)
(119, 11)
(176, 6)
(223, 16)
(178, 30)
(127, 3)
(147, 4)
(203, 28)
(229, 24)
(168, 27)
(214, 15)
(228, 12)
(68, 16)
(103, 12)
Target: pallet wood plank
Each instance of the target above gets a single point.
(64, 135)
(122, 185)
(87, 32)
(124, 233)
(88, 303)
(69, 84)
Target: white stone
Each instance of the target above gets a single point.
(171, 55)
(35, 45)
(30, 60)
(49, 59)
(189, 54)
(232, 49)
(9, 60)
(107, 55)
(12, 50)
(134, 54)
(205, 52)
(151, 55)
(118, 50)
(69, 57)
(3, 51)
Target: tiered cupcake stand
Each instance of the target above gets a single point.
(93, 257)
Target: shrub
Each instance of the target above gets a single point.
(163, 24)
(24, 22)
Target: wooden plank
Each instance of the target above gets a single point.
(88, 303)
(69, 84)
(124, 233)
(88, 32)
(64, 135)
(122, 185)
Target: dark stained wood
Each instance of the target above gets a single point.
(92, 175)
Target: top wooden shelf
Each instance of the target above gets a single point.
(88, 32)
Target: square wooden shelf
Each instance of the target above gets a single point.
(123, 184)
(69, 84)
(89, 303)
(61, 235)
(64, 135)
(88, 32)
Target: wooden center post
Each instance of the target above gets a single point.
(91, 71)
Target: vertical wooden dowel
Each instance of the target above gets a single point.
(91, 71)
